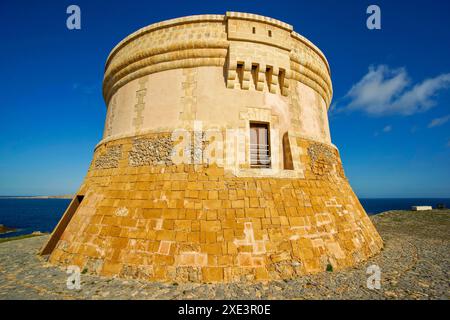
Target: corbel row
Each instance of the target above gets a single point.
(245, 74)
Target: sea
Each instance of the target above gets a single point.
(29, 215)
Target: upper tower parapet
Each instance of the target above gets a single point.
(257, 52)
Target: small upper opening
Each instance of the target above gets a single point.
(270, 33)
(254, 30)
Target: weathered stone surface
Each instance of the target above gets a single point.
(323, 159)
(154, 151)
(166, 219)
(414, 265)
(109, 159)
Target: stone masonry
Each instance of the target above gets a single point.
(142, 214)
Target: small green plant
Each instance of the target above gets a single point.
(329, 267)
(85, 270)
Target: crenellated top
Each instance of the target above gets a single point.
(244, 44)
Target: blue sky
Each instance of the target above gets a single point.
(391, 105)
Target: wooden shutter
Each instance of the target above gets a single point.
(259, 145)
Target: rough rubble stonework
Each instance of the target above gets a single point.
(138, 214)
(109, 159)
(323, 160)
(154, 151)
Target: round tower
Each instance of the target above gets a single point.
(216, 163)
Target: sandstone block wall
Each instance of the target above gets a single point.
(198, 223)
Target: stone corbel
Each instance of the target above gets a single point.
(261, 77)
(274, 83)
(231, 74)
(285, 88)
(247, 75)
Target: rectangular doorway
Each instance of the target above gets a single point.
(62, 225)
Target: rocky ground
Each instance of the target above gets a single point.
(414, 264)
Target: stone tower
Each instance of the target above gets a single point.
(216, 163)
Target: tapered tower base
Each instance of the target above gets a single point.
(198, 223)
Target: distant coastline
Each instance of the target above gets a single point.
(65, 196)
(4, 229)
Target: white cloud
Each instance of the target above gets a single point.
(439, 121)
(386, 129)
(86, 89)
(385, 91)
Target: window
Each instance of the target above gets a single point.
(259, 145)
(270, 33)
(254, 30)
